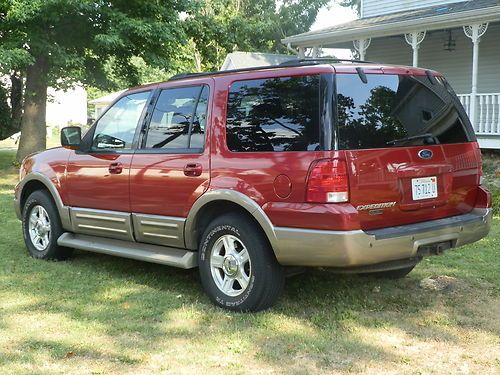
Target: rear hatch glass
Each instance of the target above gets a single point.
(410, 148)
(398, 111)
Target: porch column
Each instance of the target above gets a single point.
(315, 51)
(361, 45)
(302, 52)
(474, 32)
(414, 39)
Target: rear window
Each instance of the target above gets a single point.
(392, 111)
(278, 114)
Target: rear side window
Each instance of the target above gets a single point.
(179, 118)
(392, 111)
(278, 114)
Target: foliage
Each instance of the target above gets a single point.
(218, 27)
(214, 28)
(354, 4)
(111, 44)
(62, 42)
(491, 174)
(495, 196)
(79, 37)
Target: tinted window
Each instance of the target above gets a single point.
(116, 128)
(390, 108)
(279, 114)
(179, 119)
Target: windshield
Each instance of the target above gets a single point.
(396, 111)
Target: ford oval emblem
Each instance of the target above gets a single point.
(425, 154)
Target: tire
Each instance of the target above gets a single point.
(239, 280)
(42, 227)
(391, 274)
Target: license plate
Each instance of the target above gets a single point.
(424, 188)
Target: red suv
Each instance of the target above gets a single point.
(360, 167)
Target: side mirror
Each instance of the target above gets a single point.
(71, 137)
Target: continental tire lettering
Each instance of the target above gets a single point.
(203, 256)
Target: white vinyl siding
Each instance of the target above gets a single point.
(456, 65)
(372, 8)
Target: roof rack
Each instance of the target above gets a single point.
(294, 62)
(321, 60)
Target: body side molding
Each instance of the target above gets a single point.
(232, 196)
(111, 224)
(159, 230)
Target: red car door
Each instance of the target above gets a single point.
(171, 168)
(98, 179)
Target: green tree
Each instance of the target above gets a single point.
(354, 4)
(218, 27)
(112, 44)
(60, 42)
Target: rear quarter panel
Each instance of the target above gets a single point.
(275, 180)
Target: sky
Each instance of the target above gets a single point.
(332, 15)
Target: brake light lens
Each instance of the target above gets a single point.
(327, 182)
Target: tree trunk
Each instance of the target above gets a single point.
(16, 100)
(33, 132)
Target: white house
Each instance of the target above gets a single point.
(66, 107)
(240, 60)
(460, 39)
(100, 104)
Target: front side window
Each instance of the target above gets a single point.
(116, 128)
(277, 114)
(179, 119)
(392, 111)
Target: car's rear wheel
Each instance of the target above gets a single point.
(42, 227)
(237, 266)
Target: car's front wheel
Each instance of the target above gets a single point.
(42, 227)
(237, 266)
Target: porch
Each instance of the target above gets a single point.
(460, 40)
(487, 121)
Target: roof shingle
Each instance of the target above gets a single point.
(409, 15)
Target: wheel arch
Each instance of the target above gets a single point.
(217, 202)
(36, 181)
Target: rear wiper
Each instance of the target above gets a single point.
(428, 137)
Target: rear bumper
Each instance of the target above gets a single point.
(346, 249)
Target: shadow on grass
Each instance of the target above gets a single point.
(149, 305)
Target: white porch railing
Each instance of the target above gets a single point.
(487, 121)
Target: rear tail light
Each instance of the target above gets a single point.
(483, 199)
(480, 163)
(327, 182)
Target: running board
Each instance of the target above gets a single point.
(149, 253)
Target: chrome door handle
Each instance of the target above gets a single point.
(193, 170)
(115, 168)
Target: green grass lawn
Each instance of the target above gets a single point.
(53, 140)
(97, 314)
